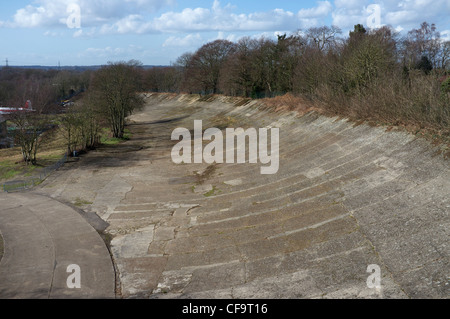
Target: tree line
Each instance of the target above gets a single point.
(109, 96)
(113, 96)
(45, 89)
(300, 62)
(370, 74)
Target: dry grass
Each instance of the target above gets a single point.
(417, 106)
(12, 166)
(289, 102)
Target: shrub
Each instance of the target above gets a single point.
(445, 87)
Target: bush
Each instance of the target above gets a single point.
(445, 87)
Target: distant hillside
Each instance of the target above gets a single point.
(71, 68)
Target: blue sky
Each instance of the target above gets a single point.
(156, 32)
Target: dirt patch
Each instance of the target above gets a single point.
(288, 102)
(222, 122)
(206, 174)
(183, 180)
(121, 149)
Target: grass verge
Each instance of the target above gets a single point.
(12, 166)
(107, 139)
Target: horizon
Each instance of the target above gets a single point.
(156, 32)
(69, 66)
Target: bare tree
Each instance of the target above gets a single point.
(28, 130)
(81, 125)
(70, 123)
(264, 68)
(236, 76)
(365, 60)
(203, 69)
(115, 90)
(422, 42)
(30, 126)
(163, 79)
(324, 38)
(288, 53)
(181, 66)
(444, 56)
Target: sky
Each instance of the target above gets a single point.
(157, 32)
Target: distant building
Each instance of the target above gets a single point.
(10, 110)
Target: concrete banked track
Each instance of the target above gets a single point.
(345, 197)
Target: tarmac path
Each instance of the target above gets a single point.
(42, 238)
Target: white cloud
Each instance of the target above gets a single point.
(78, 33)
(350, 4)
(132, 16)
(403, 15)
(445, 35)
(399, 29)
(323, 9)
(350, 12)
(54, 13)
(315, 16)
(113, 53)
(31, 16)
(191, 40)
(53, 33)
(230, 37)
(220, 18)
(130, 24)
(410, 13)
(99, 17)
(198, 19)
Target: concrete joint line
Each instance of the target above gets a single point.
(310, 227)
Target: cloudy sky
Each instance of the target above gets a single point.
(156, 32)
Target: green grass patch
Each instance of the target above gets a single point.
(30, 171)
(9, 174)
(20, 185)
(127, 134)
(212, 192)
(79, 202)
(8, 170)
(110, 140)
(107, 139)
(15, 170)
(51, 157)
(50, 151)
